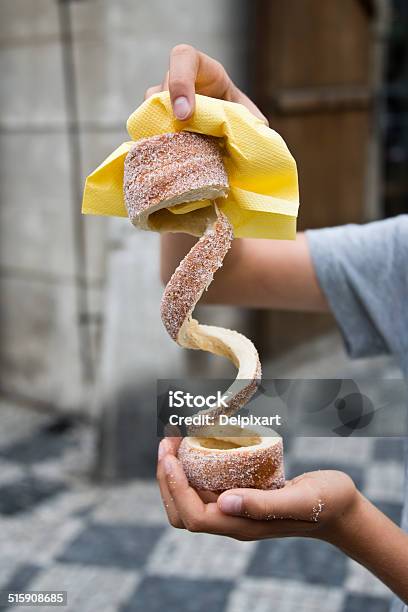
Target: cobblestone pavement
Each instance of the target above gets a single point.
(110, 546)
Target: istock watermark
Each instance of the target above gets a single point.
(206, 420)
(293, 407)
(180, 399)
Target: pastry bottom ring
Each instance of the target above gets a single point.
(245, 461)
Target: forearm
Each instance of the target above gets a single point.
(374, 541)
(256, 273)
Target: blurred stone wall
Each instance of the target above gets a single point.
(71, 74)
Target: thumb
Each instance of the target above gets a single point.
(294, 501)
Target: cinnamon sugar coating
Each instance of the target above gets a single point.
(168, 165)
(258, 467)
(176, 167)
(194, 274)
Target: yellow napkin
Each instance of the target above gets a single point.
(263, 200)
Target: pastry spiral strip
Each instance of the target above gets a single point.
(161, 175)
(192, 277)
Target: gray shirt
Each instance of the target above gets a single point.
(363, 271)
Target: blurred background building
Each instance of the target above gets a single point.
(81, 336)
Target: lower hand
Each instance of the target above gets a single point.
(316, 504)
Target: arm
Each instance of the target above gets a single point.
(256, 273)
(372, 539)
(324, 505)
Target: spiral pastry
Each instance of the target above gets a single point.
(161, 176)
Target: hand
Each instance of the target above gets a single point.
(192, 71)
(317, 504)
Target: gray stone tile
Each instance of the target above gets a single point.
(89, 588)
(360, 603)
(384, 481)
(10, 472)
(308, 561)
(37, 534)
(96, 312)
(23, 495)
(97, 144)
(199, 556)
(135, 456)
(76, 502)
(106, 94)
(21, 578)
(176, 594)
(21, 20)
(134, 272)
(137, 502)
(128, 424)
(18, 422)
(120, 546)
(217, 18)
(9, 565)
(96, 253)
(32, 86)
(265, 595)
(39, 368)
(26, 365)
(105, 41)
(95, 147)
(362, 582)
(36, 214)
(392, 510)
(76, 461)
(41, 446)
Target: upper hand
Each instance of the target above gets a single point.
(312, 505)
(192, 71)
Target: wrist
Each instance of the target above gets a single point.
(369, 537)
(346, 526)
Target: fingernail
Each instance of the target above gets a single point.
(163, 449)
(168, 465)
(181, 107)
(231, 504)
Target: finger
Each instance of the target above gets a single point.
(198, 516)
(168, 503)
(205, 496)
(182, 77)
(174, 442)
(299, 501)
(167, 499)
(151, 91)
(213, 80)
(193, 71)
(190, 507)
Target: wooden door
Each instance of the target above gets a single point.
(311, 76)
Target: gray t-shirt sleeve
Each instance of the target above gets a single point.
(363, 271)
